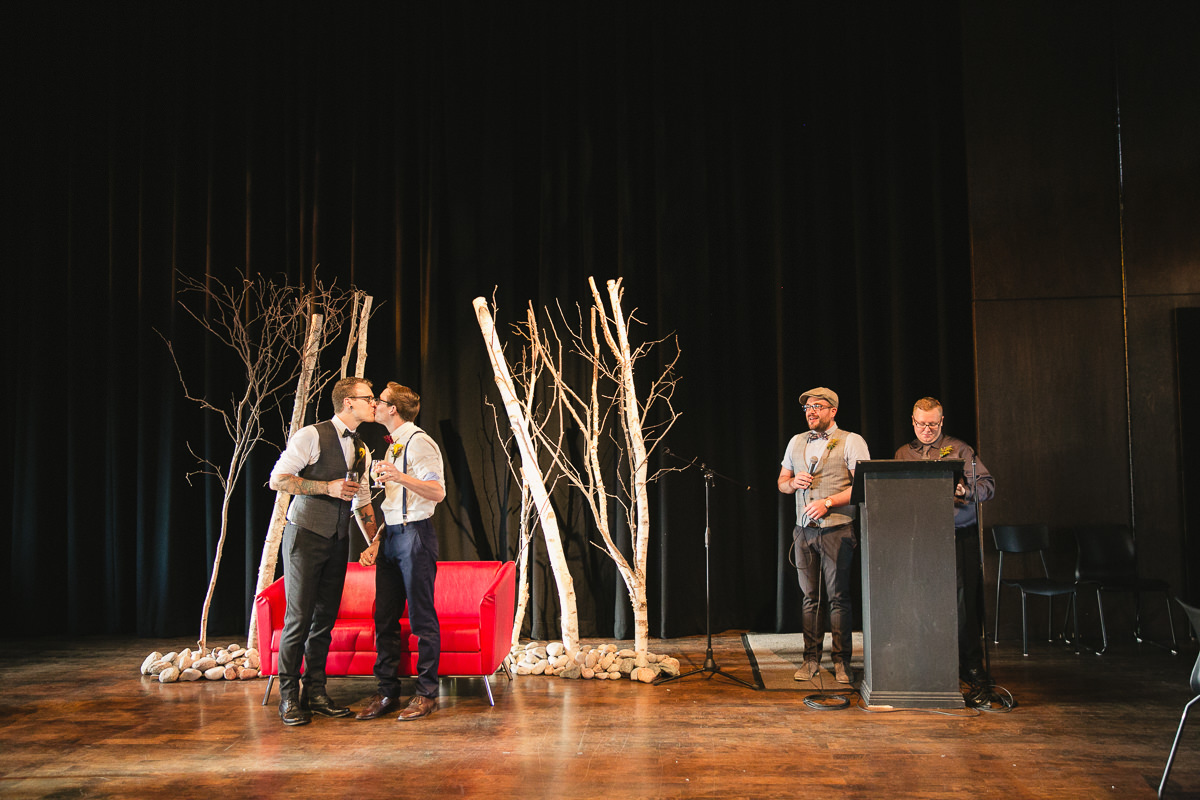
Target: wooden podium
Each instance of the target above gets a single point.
(910, 607)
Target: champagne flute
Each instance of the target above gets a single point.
(377, 473)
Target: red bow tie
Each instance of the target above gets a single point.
(388, 439)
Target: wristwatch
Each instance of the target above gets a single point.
(828, 503)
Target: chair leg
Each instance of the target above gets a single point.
(1137, 616)
(1171, 622)
(996, 629)
(1162, 785)
(1050, 618)
(1075, 619)
(1103, 628)
(1137, 626)
(267, 693)
(487, 685)
(1024, 627)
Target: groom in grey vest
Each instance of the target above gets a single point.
(316, 543)
(818, 467)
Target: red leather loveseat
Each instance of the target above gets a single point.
(475, 603)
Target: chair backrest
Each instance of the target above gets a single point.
(1193, 617)
(1021, 538)
(1104, 552)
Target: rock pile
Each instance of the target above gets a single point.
(605, 662)
(232, 663)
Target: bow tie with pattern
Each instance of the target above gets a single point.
(814, 436)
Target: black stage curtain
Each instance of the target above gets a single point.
(779, 184)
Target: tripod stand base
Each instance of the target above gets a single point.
(710, 667)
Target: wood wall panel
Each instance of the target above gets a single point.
(1154, 419)
(1160, 142)
(1052, 410)
(1075, 292)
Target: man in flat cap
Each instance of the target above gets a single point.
(818, 467)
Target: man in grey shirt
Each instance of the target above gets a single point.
(818, 467)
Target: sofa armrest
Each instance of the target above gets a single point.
(496, 610)
(269, 605)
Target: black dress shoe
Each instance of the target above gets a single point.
(292, 713)
(321, 703)
(378, 705)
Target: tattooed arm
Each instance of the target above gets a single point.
(294, 484)
(366, 521)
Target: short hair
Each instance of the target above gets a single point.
(929, 404)
(346, 387)
(406, 401)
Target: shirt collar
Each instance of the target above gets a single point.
(936, 444)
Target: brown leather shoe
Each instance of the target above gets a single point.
(419, 706)
(378, 705)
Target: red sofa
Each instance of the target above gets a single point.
(475, 603)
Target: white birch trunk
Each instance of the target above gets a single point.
(270, 551)
(636, 581)
(351, 339)
(531, 474)
(364, 317)
(526, 532)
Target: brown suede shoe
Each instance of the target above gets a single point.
(378, 706)
(419, 707)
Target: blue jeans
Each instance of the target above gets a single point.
(404, 572)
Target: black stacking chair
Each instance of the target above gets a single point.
(1194, 617)
(1107, 560)
(1013, 539)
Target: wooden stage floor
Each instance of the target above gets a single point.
(77, 720)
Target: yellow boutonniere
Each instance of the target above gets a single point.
(362, 453)
(832, 442)
(397, 449)
(945, 451)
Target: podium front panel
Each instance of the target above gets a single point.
(910, 610)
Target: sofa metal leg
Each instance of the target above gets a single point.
(267, 694)
(487, 685)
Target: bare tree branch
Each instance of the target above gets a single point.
(264, 324)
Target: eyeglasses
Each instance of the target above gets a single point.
(929, 426)
(814, 407)
(379, 401)
(369, 398)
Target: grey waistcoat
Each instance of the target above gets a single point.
(319, 513)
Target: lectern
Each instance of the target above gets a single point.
(910, 609)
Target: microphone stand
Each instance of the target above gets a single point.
(710, 665)
(987, 696)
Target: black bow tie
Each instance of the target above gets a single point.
(349, 433)
(812, 437)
